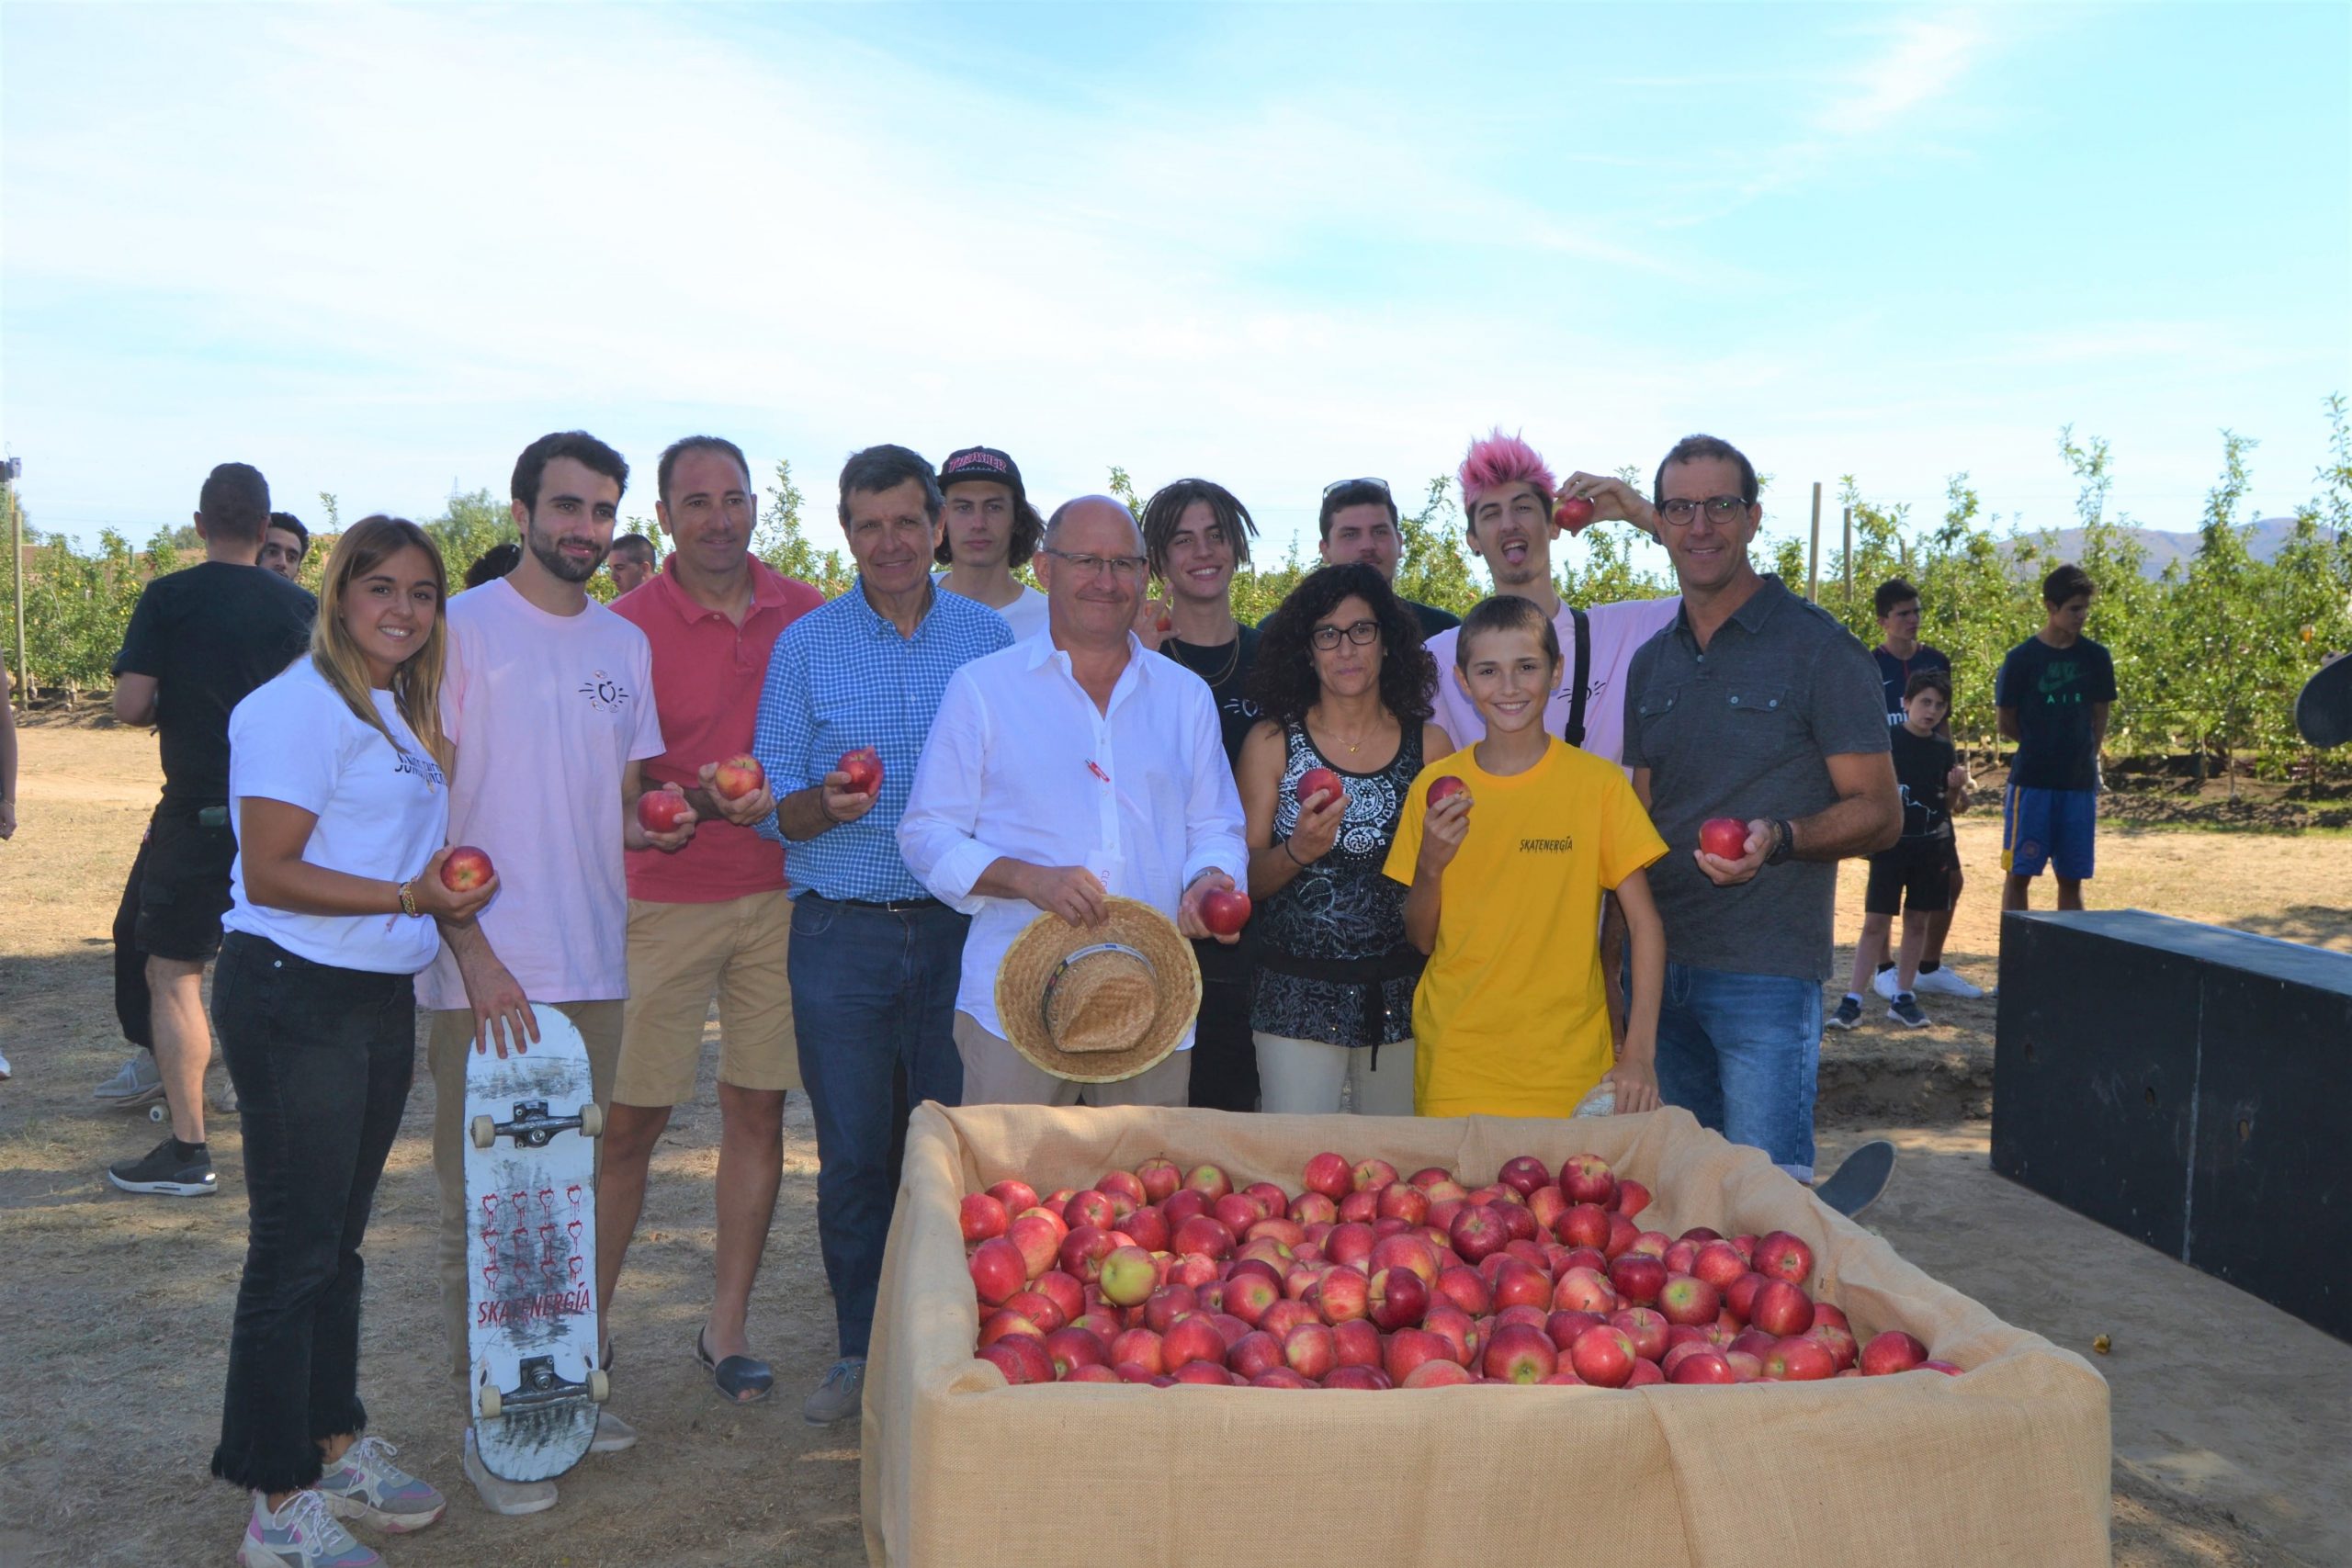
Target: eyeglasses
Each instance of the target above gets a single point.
(1380, 485)
(1127, 568)
(1361, 632)
(1720, 509)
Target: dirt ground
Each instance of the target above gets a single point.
(110, 1407)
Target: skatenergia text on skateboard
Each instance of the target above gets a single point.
(531, 1120)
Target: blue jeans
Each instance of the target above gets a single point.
(873, 992)
(1741, 1053)
(322, 1058)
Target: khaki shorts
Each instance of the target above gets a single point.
(679, 954)
(995, 1074)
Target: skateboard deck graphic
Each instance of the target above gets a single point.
(531, 1253)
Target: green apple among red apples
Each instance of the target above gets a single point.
(1164, 1276)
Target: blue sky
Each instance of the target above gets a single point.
(376, 251)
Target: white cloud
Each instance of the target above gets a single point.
(1925, 59)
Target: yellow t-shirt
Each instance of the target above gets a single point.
(1509, 1018)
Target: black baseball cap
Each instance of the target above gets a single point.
(983, 463)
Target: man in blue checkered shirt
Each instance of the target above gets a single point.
(874, 958)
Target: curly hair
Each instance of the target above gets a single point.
(1282, 681)
(1166, 510)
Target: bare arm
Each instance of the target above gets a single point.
(271, 836)
(1635, 1074)
(2006, 719)
(1866, 819)
(1447, 824)
(134, 700)
(805, 813)
(2098, 724)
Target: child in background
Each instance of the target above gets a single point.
(1913, 878)
(1507, 876)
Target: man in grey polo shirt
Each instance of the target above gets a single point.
(1753, 705)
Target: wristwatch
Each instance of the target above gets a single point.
(1784, 841)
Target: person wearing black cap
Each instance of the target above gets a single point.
(991, 530)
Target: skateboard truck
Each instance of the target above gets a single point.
(532, 1126)
(539, 1385)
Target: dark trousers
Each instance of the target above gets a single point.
(134, 1007)
(1224, 1053)
(322, 1058)
(873, 995)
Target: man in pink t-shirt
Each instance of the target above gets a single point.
(712, 918)
(548, 699)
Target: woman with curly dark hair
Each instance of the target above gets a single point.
(1344, 686)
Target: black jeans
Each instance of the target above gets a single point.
(1224, 1053)
(322, 1059)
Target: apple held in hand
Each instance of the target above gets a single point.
(1319, 780)
(1444, 788)
(660, 810)
(737, 778)
(1574, 513)
(1725, 838)
(465, 869)
(863, 767)
(1225, 910)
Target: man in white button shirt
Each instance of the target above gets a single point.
(1062, 771)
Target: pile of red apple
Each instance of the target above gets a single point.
(1367, 1280)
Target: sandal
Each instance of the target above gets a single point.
(743, 1380)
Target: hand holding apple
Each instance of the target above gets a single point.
(1724, 865)
(739, 786)
(666, 818)
(1154, 624)
(455, 885)
(1607, 499)
(1445, 827)
(1189, 918)
(841, 798)
(1322, 808)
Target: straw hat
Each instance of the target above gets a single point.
(1095, 1004)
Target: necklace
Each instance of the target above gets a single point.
(1232, 663)
(1357, 744)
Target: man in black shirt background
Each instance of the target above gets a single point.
(2052, 698)
(1196, 535)
(198, 642)
(1358, 523)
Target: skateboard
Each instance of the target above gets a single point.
(1859, 1179)
(531, 1253)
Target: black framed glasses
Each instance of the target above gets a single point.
(1127, 568)
(1361, 632)
(1720, 509)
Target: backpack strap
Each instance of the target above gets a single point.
(1574, 734)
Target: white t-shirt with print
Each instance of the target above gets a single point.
(382, 811)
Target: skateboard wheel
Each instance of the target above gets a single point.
(600, 1387)
(489, 1403)
(156, 1113)
(591, 1121)
(485, 1131)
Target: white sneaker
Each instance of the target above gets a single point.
(613, 1434)
(136, 1085)
(508, 1497)
(1946, 981)
(4, 1066)
(302, 1534)
(1884, 984)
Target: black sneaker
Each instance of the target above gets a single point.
(1905, 1011)
(172, 1169)
(1848, 1013)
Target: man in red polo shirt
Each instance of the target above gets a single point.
(712, 917)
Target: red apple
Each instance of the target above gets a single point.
(1014, 1195)
(1319, 780)
(1073, 1347)
(1357, 1342)
(1584, 1225)
(1193, 1339)
(1395, 1297)
(1411, 1347)
(1207, 1372)
(1574, 513)
(1348, 1243)
(1838, 1338)
(1089, 1208)
(1182, 1205)
(1399, 1201)
(1359, 1207)
(1149, 1228)
(1719, 1264)
(1255, 1353)
(1201, 1234)
(1065, 1290)
(1800, 1360)
(1622, 1234)
(1082, 1251)
(1680, 1257)
(1546, 1206)
(1780, 1309)
(1704, 1365)
(1168, 1303)
(1830, 1313)
(1022, 1358)
(1329, 1175)
(1343, 1294)
(1686, 1301)
(1285, 1316)
(1038, 1308)
(1518, 1285)
(1444, 788)
(1439, 1374)
(1893, 1351)
(1225, 910)
(1645, 1328)
(1369, 1380)
(1645, 1374)
(1784, 1256)
(1520, 1354)
(1141, 1347)
(1603, 1356)
(1313, 1208)
(1637, 1278)
(981, 1217)
(1006, 1321)
(1405, 1251)
(737, 777)
(998, 1270)
(1725, 838)
(1949, 1369)
(1210, 1181)
(1564, 1327)
(1581, 1289)
(1646, 1244)
(1310, 1351)
(1373, 1173)
(657, 811)
(1236, 1211)
(1160, 1178)
(863, 767)
(1739, 1296)
(1745, 1366)
(1463, 1289)
(1525, 1174)
(1587, 1179)
(1632, 1197)
(465, 869)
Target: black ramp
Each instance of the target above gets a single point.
(2187, 1085)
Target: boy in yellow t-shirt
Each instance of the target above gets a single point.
(1507, 876)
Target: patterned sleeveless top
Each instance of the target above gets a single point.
(1333, 963)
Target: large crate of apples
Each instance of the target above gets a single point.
(1149, 1336)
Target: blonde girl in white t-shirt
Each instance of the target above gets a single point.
(341, 811)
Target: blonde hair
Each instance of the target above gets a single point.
(416, 684)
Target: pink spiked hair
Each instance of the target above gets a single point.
(1495, 461)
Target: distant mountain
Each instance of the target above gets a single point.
(2164, 545)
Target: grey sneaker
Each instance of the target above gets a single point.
(1905, 1011)
(839, 1396)
(222, 1097)
(1848, 1013)
(166, 1172)
(368, 1486)
(138, 1084)
(302, 1534)
(508, 1497)
(1945, 982)
(613, 1434)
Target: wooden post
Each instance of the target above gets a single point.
(1850, 556)
(1813, 559)
(8, 472)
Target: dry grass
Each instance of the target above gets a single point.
(118, 1307)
